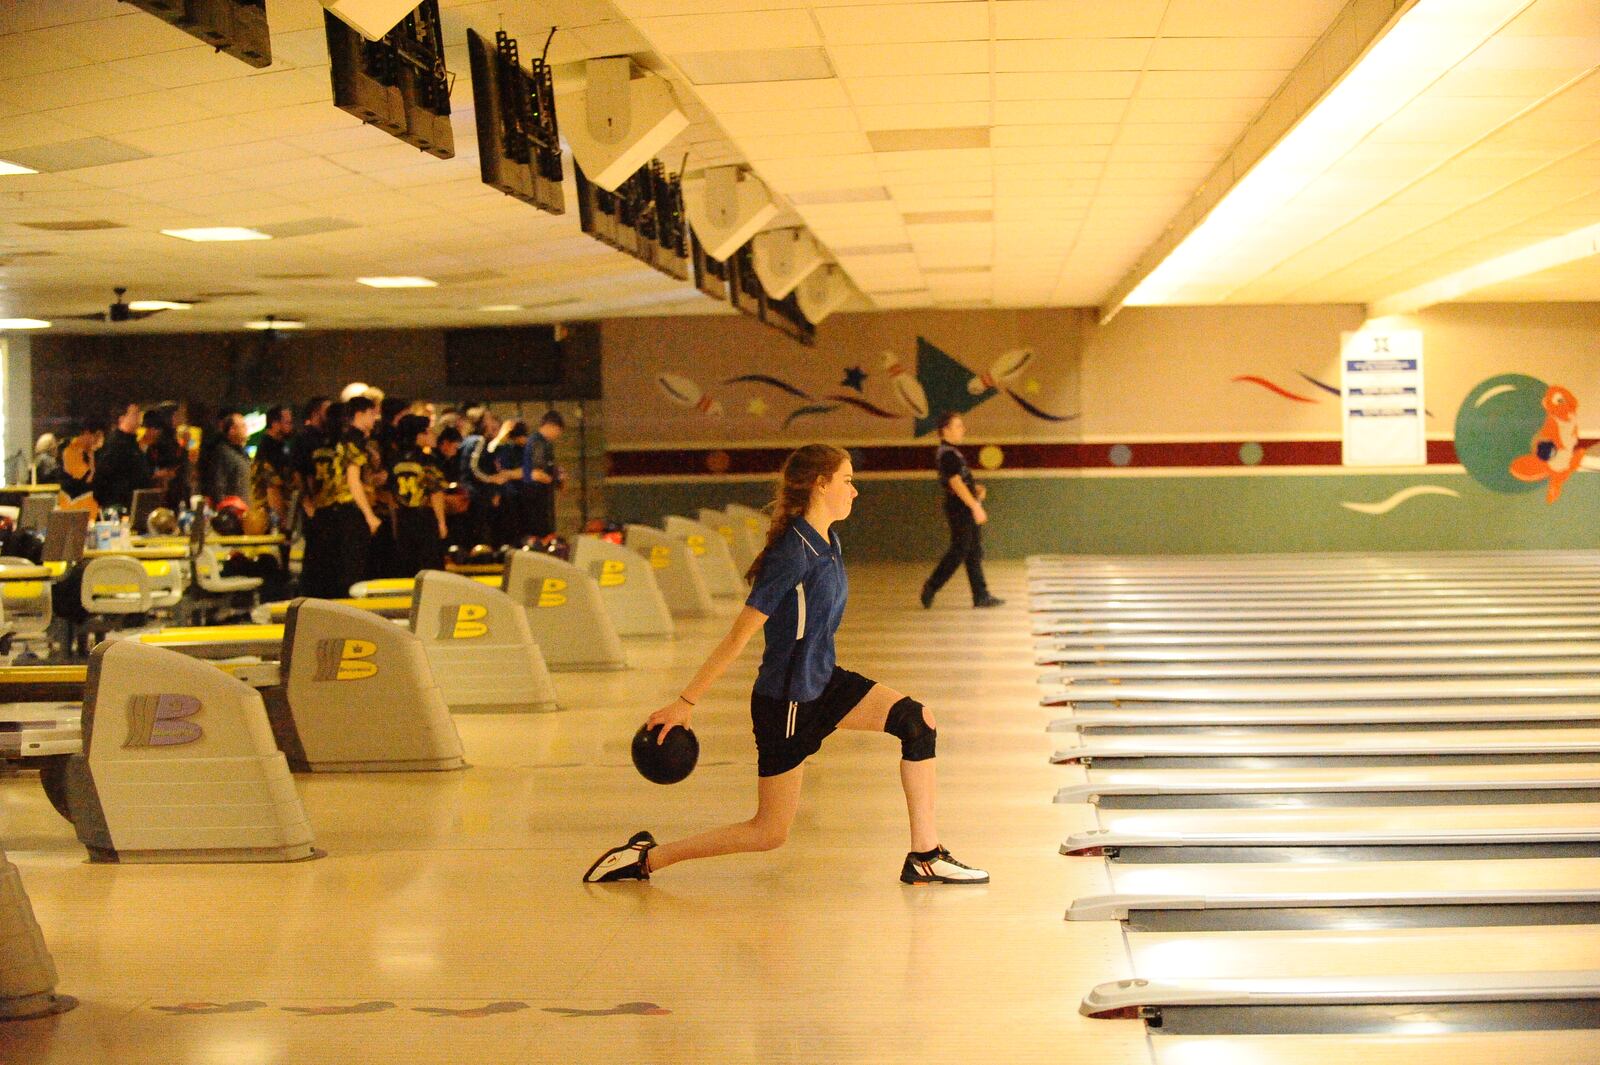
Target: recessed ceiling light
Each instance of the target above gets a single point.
(497, 307)
(14, 168)
(398, 282)
(275, 324)
(158, 305)
(217, 233)
(23, 323)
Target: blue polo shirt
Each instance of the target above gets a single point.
(801, 589)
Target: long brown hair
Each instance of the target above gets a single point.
(801, 472)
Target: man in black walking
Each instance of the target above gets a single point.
(963, 509)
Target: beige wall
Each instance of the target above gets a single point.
(1151, 373)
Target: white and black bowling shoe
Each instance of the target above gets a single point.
(626, 862)
(938, 867)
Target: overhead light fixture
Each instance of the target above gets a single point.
(158, 305)
(217, 233)
(23, 323)
(274, 324)
(398, 282)
(498, 308)
(1417, 48)
(1546, 255)
(7, 169)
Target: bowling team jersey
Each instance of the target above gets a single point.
(415, 478)
(269, 469)
(952, 463)
(802, 589)
(329, 484)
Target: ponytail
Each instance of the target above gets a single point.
(801, 471)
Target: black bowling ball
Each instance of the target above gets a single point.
(26, 543)
(226, 523)
(668, 761)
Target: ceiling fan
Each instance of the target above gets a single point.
(124, 311)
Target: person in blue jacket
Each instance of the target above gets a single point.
(801, 696)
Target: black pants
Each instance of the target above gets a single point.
(336, 551)
(539, 509)
(966, 546)
(417, 543)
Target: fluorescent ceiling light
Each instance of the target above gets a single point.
(1422, 45)
(398, 282)
(1545, 255)
(275, 324)
(499, 307)
(23, 323)
(14, 168)
(158, 305)
(214, 233)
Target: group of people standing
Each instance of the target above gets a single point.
(378, 486)
(383, 485)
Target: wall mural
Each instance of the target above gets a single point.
(1513, 433)
(921, 388)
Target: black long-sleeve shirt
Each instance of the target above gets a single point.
(120, 467)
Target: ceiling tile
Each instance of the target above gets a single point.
(905, 23)
(1187, 84)
(1033, 19)
(865, 61)
(1227, 53)
(1066, 85)
(1104, 53)
(919, 89)
(1203, 18)
(731, 31)
(912, 116)
(1058, 112)
(775, 96)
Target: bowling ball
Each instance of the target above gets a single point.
(161, 522)
(7, 524)
(480, 554)
(666, 762)
(1496, 424)
(227, 523)
(26, 543)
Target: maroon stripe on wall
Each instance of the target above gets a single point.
(1238, 454)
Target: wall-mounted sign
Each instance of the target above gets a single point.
(1380, 383)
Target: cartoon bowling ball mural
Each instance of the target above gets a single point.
(1515, 433)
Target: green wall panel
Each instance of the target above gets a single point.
(901, 520)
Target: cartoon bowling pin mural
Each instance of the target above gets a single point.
(1001, 370)
(903, 380)
(685, 393)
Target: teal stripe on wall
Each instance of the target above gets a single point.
(900, 520)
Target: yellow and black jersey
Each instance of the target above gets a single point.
(330, 484)
(415, 478)
(268, 470)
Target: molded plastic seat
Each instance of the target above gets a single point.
(115, 585)
(208, 575)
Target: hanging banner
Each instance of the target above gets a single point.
(1381, 390)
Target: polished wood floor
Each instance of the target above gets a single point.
(448, 924)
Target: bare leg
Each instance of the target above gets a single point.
(919, 779)
(778, 801)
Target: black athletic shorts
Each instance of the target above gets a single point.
(785, 738)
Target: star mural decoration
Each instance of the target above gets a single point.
(854, 377)
(1031, 387)
(757, 406)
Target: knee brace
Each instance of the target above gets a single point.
(917, 739)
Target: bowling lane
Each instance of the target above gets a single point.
(1332, 827)
(1417, 1044)
(1101, 783)
(1236, 653)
